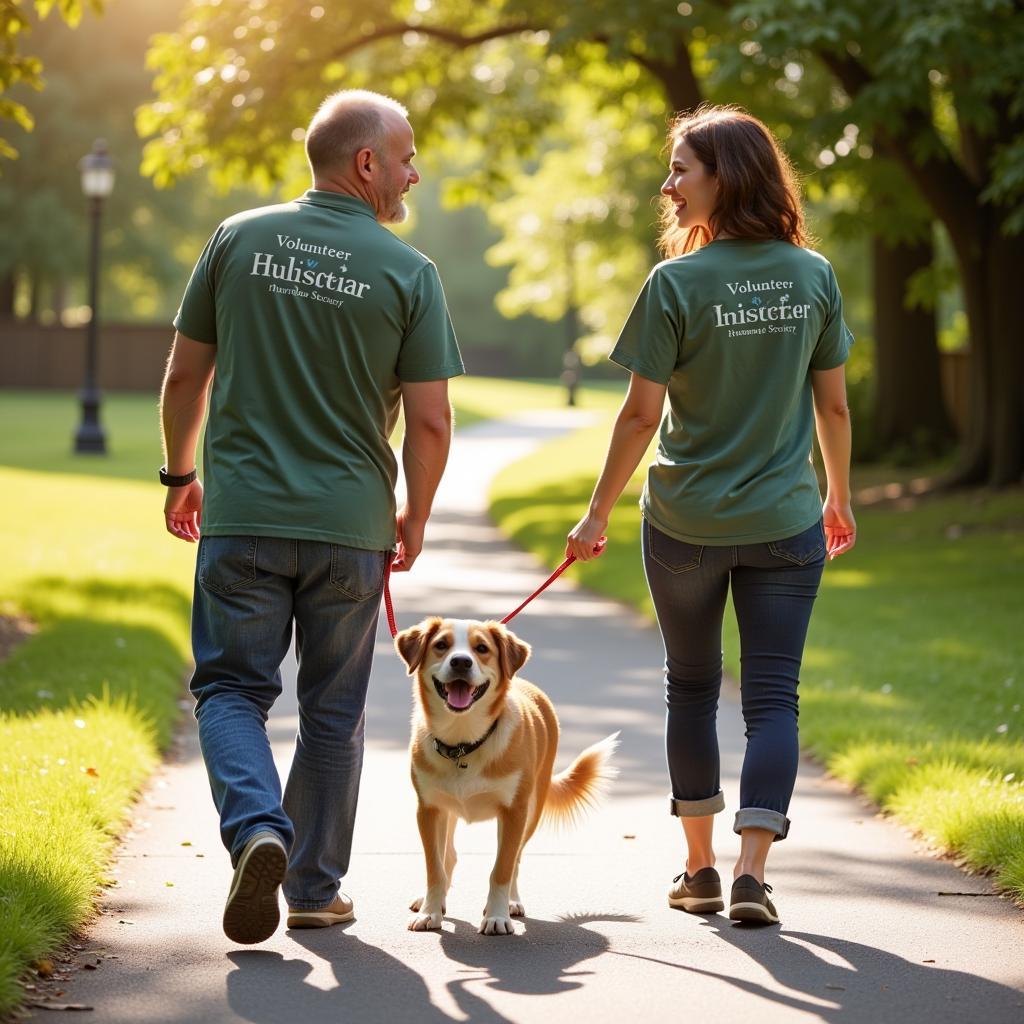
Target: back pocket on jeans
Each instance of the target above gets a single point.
(356, 572)
(674, 555)
(226, 563)
(802, 548)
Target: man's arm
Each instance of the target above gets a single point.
(428, 434)
(832, 420)
(182, 407)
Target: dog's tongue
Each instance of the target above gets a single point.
(460, 694)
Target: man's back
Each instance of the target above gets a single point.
(318, 314)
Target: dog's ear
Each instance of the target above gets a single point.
(412, 643)
(512, 652)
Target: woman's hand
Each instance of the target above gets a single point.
(840, 527)
(583, 542)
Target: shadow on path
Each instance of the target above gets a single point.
(845, 982)
(266, 988)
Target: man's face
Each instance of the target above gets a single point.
(397, 173)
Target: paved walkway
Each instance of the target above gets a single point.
(870, 931)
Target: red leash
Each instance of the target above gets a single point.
(390, 609)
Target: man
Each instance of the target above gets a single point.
(321, 323)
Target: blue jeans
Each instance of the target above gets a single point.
(773, 590)
(248, 592)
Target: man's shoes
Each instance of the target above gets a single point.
(749, 902)
(338, 912)
(701, 894)
(251, 913)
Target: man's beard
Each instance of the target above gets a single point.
(395, 210)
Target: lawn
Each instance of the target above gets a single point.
(911, 687)
(90, 699)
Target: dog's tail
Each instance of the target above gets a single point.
(578, 787)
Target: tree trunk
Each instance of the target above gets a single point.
(990, 264)
(34, 296)
(1006, 257)
(7, 282)
(910, 412)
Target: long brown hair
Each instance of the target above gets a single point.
(758, 194)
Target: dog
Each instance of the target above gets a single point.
(483, 746)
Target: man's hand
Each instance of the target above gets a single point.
(183, 511)
(410, 540)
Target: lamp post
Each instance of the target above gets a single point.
(570, 376)
(97, 170)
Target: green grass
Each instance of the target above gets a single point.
(88, 702)
(911, 687)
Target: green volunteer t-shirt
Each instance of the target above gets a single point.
(318, 314)
(734, 330)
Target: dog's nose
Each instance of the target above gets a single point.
(461, 663)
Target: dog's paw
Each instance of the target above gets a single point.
(418, 902)
(497, 925)
(516, 909)
(425, 922)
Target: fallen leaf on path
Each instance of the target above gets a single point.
(44, 968)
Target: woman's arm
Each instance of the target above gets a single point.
(832, 419)
(635, 425)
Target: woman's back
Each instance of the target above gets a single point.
(733, 329)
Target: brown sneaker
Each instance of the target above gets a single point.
(701, 894)
(251, 913)
(749, 901)
(338, 912)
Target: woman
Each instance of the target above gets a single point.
(743, 328)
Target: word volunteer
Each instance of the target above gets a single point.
(264, 265)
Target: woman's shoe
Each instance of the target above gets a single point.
(749, 901)
(701, 894)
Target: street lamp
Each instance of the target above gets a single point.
(97, 170)
(570, 376)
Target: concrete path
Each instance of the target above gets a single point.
(873, 929)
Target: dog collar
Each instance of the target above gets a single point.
(457, 753)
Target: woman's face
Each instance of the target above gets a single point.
(692, 189)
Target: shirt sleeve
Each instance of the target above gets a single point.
(833, 346)
(429, 350)
(197, 315)
(649, 342)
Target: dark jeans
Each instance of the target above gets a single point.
(773, 590)
(248, 592)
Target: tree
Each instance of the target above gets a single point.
(15, 67)
(95, 78)
(936, 86)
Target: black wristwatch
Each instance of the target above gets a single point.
(176, 481)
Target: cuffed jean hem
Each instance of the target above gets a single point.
(696, 808)
(761, 817)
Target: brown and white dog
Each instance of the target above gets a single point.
(483, 746)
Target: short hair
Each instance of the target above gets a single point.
(345, 123)
(758, 190)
